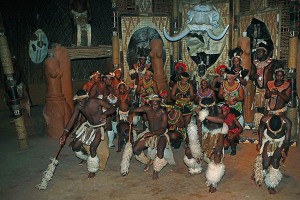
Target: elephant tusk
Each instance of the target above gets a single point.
(181, 35)
(214, 37)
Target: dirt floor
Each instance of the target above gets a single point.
(22, 170)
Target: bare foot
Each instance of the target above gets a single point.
(82, 162)
(147, 166)
(272, 191)
(212, 189)
(91, 175)
(155, 175)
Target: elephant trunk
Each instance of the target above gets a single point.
(181, 35)
(215, 37)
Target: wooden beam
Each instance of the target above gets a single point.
(101, 51)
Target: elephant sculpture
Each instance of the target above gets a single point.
(204, 30)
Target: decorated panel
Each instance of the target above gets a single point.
(215, 51)
(137, 32)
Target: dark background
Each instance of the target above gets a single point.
(22, 18)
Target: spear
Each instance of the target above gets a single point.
(48, 174)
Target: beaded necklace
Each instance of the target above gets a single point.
(147, 84)
(231, 88)
(183, 89)
(175, 119)
(204, 94)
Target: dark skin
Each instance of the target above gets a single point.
(204, 90)
(233, 101)
(173, 134)
(178, 74)
(282, 97)
(267, 73)
(88, 85)
(140, 87)
(147, 78)
(103, 88)
(280, 152)
(116, 80)
(123, 131)
(158, 121)
(140, 65)
(184, 82)
(211, 122)
(91, 109)
(230, 137)
(123, 105)
(237, 68)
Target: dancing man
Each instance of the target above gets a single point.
(212, 131)
(90, 133)
(274, 141)
(155, 136)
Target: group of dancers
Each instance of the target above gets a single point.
(205, 115)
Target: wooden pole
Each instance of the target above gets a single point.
(175, 30)
(235, 22)
(292, 64)
(115, 37)
(249, 91)
(11, 89)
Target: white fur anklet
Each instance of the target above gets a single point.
(81, 155)
(158, 164)
(194, 143)
(214, 173)
(93, 164)
(273, 177)
(194, 167)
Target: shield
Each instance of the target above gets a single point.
(38, 46)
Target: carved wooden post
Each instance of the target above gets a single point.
(292, 63)
(175, 30)
(115, 37)
(249, 90)
(57, 110)
(10, 84)
(156, 55)
(236, 25)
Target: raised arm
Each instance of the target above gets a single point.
(136, 110)
(93, 91)
(67, 130)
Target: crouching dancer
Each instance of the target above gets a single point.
(90, 133)
(155, 137)
(274, 141)
(212, 131)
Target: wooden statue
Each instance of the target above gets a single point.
(56, 111)
(156, 55)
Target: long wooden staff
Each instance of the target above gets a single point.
(129, 132)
